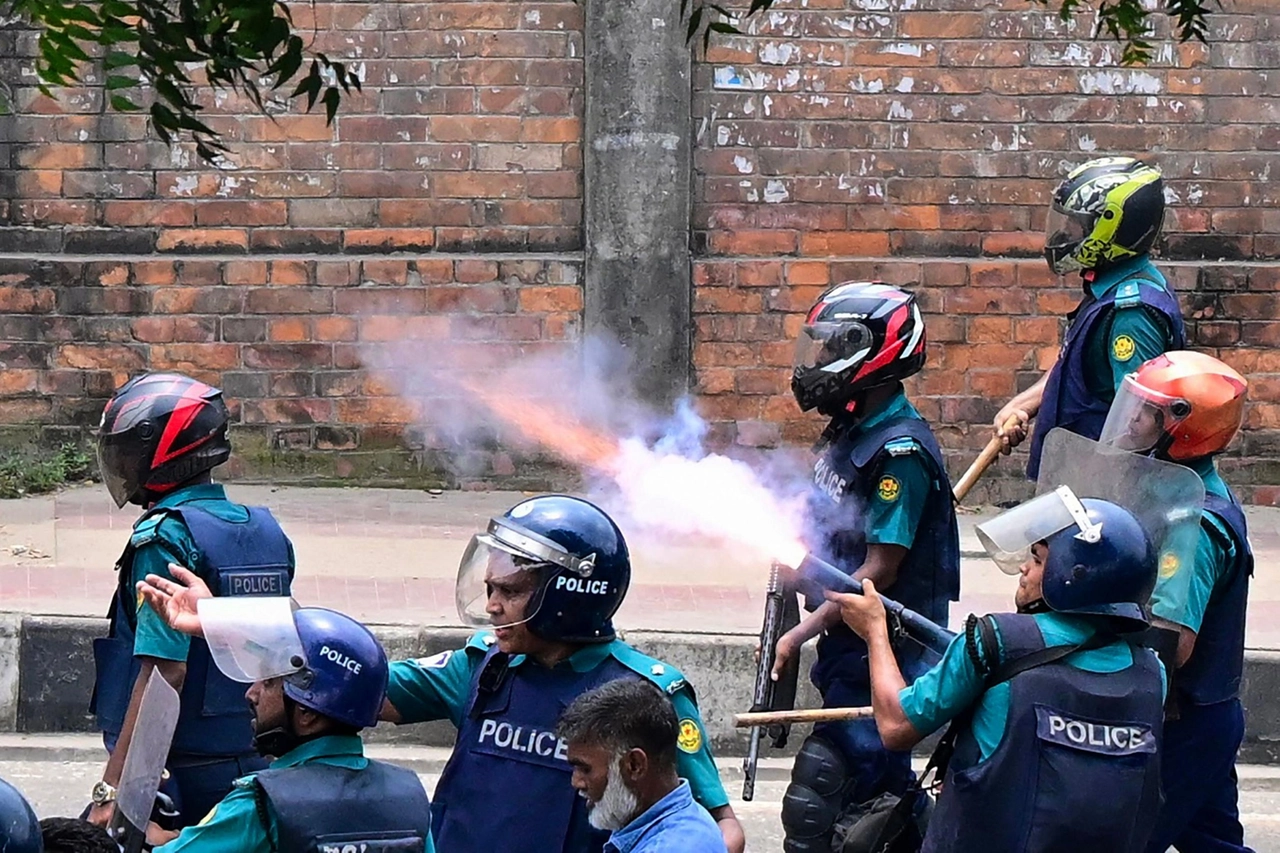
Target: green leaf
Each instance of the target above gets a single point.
(120, 81)
(121, 104)
(331, 99)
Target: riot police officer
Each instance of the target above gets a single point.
(1055, 710)
(881, 509)
(1186, 407)
(1104, 219)
(546, 577)
(19, 829)
(161, 434)
(317, 678)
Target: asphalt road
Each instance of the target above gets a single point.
(61, 788)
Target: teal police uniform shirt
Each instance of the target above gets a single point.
(235, 825)
(160, 540)
(901, 491)
(954, 685)
(1134, 335)
(1185, 603)
(438, 687)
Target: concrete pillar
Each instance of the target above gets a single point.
(637, 174)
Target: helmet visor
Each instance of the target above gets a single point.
(1009, 536)
(1064, 230)
(111, 466)
(252, 639)
(1140, 417)
(833, 347)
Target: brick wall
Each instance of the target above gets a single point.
(918, 141)
(449, 189)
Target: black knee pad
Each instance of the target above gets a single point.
(815, 796)
(820, 766)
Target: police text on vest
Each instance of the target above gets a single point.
(520, 739)
(1104, 738)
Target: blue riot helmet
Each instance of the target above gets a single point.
(19, 828)
(1101, 561)
(564, 553)
(330, 663)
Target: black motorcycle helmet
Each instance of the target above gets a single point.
(157, 432)
(860, 335)
(1106, 211)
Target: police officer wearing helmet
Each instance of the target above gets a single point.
(161, 434)
(1186, 407)
(547, 577)
(881, 509)
(1104, 219)
(19, 828)
(317, 677)
(1055, 709)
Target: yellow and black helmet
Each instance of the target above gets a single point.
(1106, 211)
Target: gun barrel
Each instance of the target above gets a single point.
(924, 631)
(749, 766)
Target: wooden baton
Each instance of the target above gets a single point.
(811, 715)
(988, 455)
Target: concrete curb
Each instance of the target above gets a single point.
(53, 662)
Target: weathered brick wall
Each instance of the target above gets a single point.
(446, 199)
(290, 342)
(918, 141)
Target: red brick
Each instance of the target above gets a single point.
(853, 243)
(202, 356)
(476, 129)
(479, 298)
(26, 300)
(289, 329)
(474, 271)
(334, 328)
(243, 213)
(399, 328)
(100, 357)
(18, 381)
(550, 299)
(389, 239)
(219, 239)
(753, 242)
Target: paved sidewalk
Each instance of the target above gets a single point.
(390, 556)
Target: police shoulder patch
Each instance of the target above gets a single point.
(435, 661)
(147, 530)
(902, 446)
(888, 489)
(1169, 564)
(1128, 295)
(1123, 347)
(690, 739)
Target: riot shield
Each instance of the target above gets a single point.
(144, 765)
(1166, 498)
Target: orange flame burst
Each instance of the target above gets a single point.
(557, 431)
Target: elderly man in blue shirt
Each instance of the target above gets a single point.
(622, 740)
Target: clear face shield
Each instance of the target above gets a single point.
(252, 639)
(1063, 230)
(832, 346)
(505, 566)
(1140, 418)
(1009, 536)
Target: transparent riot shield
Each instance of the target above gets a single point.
(144, 765)
(1166, 498)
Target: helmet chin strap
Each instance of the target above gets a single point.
(281, 739)
(1037, 606)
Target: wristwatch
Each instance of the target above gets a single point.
(103, 794)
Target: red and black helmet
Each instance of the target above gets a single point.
(157, 432)
(860, 335)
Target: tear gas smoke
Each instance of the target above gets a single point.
(651, 473)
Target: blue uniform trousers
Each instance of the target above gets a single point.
(1197, 768)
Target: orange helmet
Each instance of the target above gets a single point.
(1180, 405)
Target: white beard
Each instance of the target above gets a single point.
(617, 806)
